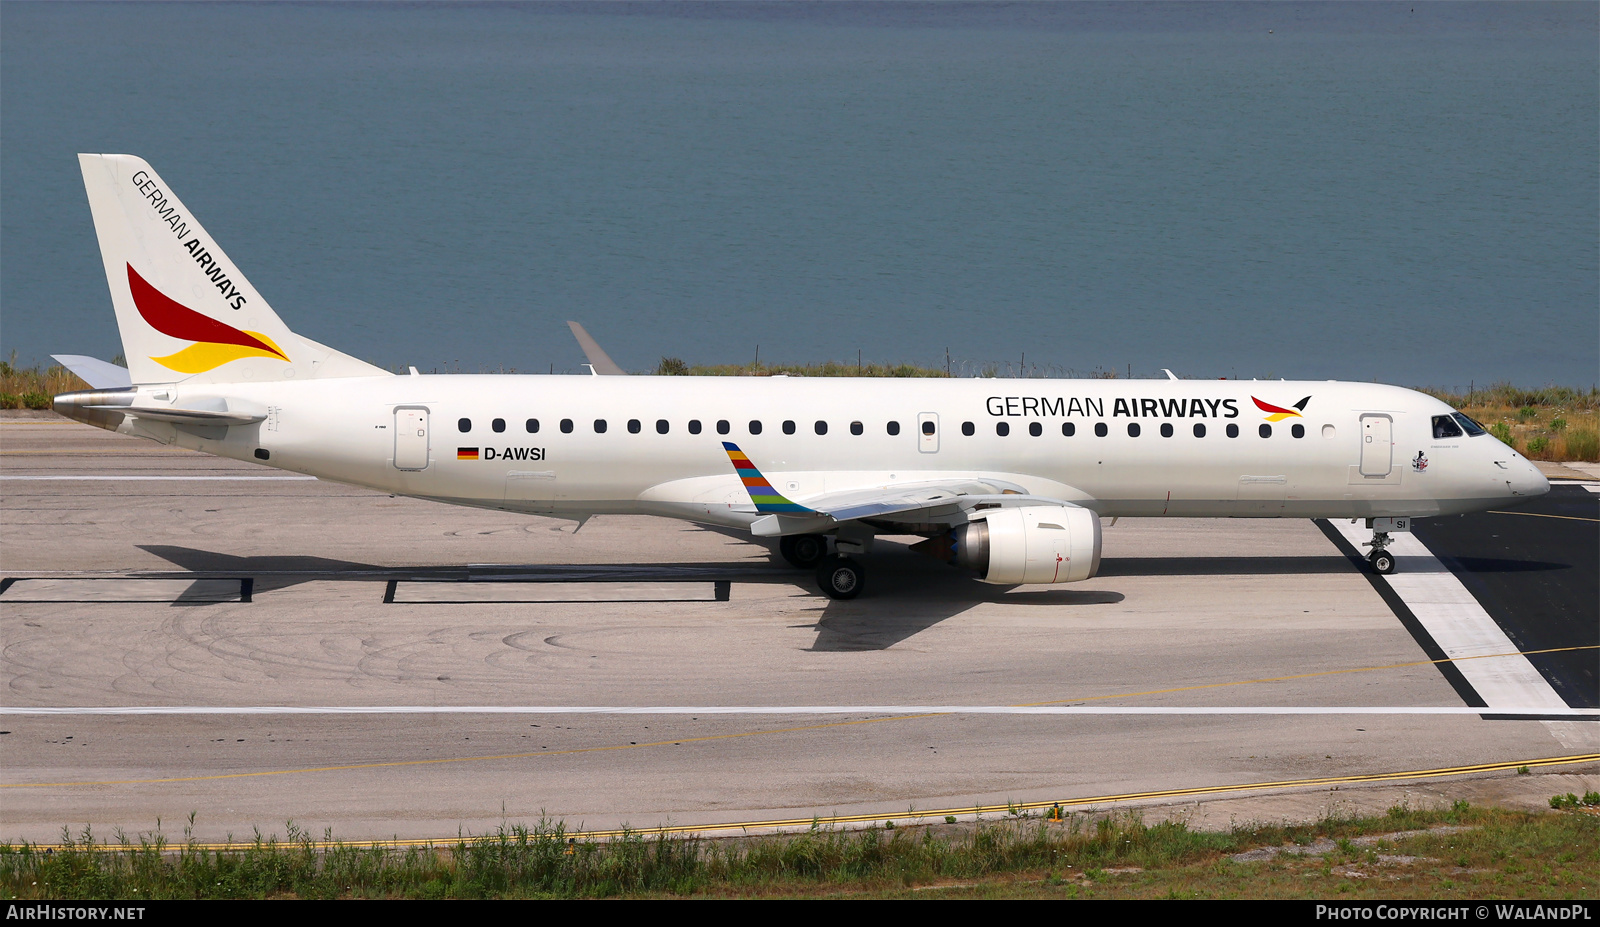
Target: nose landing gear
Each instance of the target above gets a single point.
(1383, 562)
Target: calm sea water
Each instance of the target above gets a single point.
(1406, 193)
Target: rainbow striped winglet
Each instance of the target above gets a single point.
(761, 492)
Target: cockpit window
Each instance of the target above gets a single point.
(1473, 429)
(1445, 427)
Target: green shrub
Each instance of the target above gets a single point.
(1527, 414)
(36, 400)
(1583, 445)
(1502, 431)
(1538, 445)
(1558, 424)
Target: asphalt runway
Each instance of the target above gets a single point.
(1550, 601)
(183, 635)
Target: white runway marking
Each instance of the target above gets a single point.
(77, 479)
(1461, 627)
(792, 710)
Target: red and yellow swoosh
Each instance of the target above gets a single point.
(1278, 413)
(215, 343)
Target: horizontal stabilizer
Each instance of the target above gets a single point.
(95, 372)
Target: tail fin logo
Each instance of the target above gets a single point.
(215, 343)
(1279, 413)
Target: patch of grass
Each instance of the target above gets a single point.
(34, 387)
(1489, 853)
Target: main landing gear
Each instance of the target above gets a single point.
(840, 576)
(803, 551)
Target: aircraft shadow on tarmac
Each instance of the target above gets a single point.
(1460, 565)
(907, 593)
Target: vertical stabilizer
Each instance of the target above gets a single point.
(184, 310)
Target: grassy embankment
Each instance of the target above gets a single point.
(1552, 423)
(1459, 852)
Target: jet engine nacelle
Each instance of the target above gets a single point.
(1026, 544)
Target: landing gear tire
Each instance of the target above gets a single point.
(840, 577)
(1382, 562)
(803, 551)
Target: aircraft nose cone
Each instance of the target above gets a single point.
(1527, 482)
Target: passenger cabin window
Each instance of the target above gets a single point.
(1265, 430)
(1133, 429)
(1002, 429)
(694, 426)
(1035, 429)
(894, 428)
(968, 429)
(662, 426)
(1233, 431)
(566, 426)
(1100, 430)
(856, 428)
(1299, 431)
(498, 425)
(1068, 429)
(464, 425)
(532, 425)
(755, 427)
(722, 426)
(634, 426)
(1199, 429)
(1445, 427)
(1166, 429)
(821, 428)
(599, 426)
(788, 427)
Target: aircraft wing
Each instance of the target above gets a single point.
(599, 361)
(907, 497)
(921, 502)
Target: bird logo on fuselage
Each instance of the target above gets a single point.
(1279, 413)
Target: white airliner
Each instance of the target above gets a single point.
(1008, 478)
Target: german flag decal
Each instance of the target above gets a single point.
(466, 453)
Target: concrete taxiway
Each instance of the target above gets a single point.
(280, 648)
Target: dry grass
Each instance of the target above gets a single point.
(1553, 423)
(33, 387)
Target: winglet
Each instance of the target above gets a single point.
(600, 363)
(766, 498)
